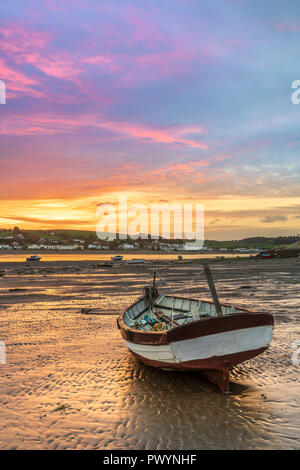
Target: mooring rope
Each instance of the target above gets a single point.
(182, 283)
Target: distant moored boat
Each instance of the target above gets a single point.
(33, 258)
(266, 254)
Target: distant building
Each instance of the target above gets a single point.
(128, 246)
(193, 246)
(16, 245)
(68, 247)
(54, 247)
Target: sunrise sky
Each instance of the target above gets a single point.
(162, 101)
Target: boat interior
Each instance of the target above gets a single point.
(167, 312)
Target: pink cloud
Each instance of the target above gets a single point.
(187, 169)
(40, 124)
(162, 55)
(28, 47)
(17, 82)
(22, 46)
(59, 66)
(15, 38)
(288, 27)
(168, 135)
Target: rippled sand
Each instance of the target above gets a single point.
(70, 383)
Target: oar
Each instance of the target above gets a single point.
(213, 291)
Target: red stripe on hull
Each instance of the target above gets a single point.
(214, 369)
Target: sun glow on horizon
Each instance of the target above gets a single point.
(220, 221)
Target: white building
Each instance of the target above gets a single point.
(128, 246)
(195, 246)
(16, 245)
(54, 247)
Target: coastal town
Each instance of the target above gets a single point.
(69, 240)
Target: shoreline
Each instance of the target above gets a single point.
(124, 252)
(89, 256)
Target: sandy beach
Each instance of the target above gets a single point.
(70, 383)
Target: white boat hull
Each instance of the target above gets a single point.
(206, 347)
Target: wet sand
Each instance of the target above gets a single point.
(70, 383)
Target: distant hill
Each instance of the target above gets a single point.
(255, 242)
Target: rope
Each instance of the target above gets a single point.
(185, 283)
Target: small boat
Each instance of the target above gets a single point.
(266, 254)
(135, 261)
(106, 264)
(179, 333)
(117, 258)
(33, 258)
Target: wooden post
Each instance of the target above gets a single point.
(212, 289)
(154, 277)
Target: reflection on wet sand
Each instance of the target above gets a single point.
(92, 256)
(69, 381)
(182, 411)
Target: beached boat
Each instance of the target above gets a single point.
(33, 258)
(105, 264)
(180, 333)
(135, 261)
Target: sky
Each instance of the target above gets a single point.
(169, 101)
